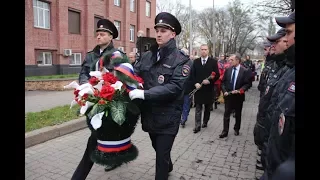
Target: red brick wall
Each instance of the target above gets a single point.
(57, 38)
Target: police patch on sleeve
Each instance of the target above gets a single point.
(292, 87)
(185, 70)
(160, 79)
(281, 122)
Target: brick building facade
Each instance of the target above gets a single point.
(54, 27)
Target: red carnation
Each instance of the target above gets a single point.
(107, 92)
(93, 80)
(213, 74)
(101, 101)
(96, 93)
(85, 96)
(109, 77)
(241, 91)
(76, 92)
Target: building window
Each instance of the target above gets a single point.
(132, 33)
(96, 19)
(148, 8)
(132, 5)
(74, 22)
(75, 59)
(117, 2)
(118, 26)
(44, 58)
(41, 14)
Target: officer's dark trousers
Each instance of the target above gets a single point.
(85, 164)
(162, 144)
(235, 103)
(206, 114)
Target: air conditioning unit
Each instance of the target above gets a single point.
(67, 52)
(121, 48)
(135, 50)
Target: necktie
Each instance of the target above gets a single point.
(233, 78)
(203, 62)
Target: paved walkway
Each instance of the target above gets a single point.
(232, 158)
(43, 100)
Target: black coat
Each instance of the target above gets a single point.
(164, 83)
(198, 73)
(243, 81)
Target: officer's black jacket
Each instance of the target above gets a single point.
(164, 83)
(91, 59)
(281, 143)
(264, 74)
(262, 127)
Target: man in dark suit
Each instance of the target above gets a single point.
(235, 82)
(201, 70)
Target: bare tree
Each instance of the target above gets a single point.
(181, 12)
(272, 7)
(236, 25)
(165, 5)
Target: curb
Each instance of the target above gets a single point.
(47, 133)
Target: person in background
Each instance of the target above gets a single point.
(247, 63)
(186, 99)
(235, 82)
(258, 69)
(222, 65)
(202, 68)
(132, 58)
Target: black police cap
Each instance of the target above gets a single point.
(283, 21)
(281, 33)
(107, 26)
(167, 20)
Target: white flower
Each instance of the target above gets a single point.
(85, 107)
(117, 85)
(74, 102)
(96, 120)
(85, 89)
(99, 85)
(73, 84)
(96, 74)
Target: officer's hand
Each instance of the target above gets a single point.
(197, 85)
(136, 94)
(226, 94)
(205, 82)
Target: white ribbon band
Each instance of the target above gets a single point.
(114, 142)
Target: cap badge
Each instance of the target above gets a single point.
(101, 26)
(160, 21)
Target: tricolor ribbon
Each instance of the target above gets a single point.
(114, 146)
(127, 69)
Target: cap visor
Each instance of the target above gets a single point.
(163, 26)
(274, 37)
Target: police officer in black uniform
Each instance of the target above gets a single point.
(164, 70)
(261, 129)
(267, 66)
(281, 111)
(106, 31)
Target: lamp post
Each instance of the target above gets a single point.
(190, 28)
(213, 32)
(140, 34)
